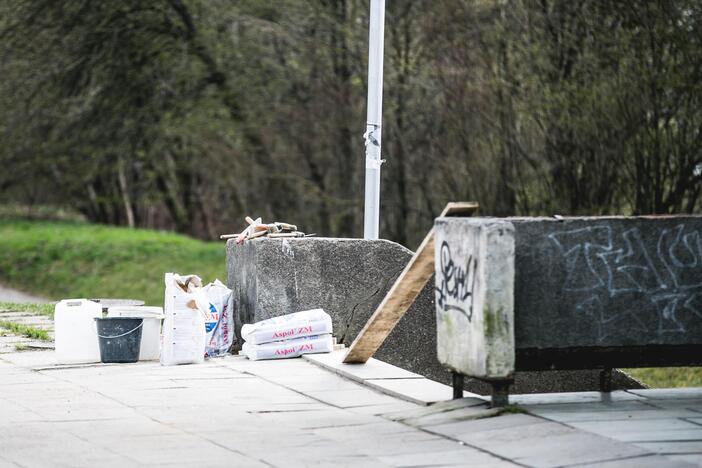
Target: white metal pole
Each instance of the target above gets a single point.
(376, 39)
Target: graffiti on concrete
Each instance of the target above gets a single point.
(666, 271)
(457, 282)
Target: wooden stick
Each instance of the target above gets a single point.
(257, 234)
(278, 235)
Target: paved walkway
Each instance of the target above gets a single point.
(19, 297)
(291, 413)
(665, 421)
(10, 342)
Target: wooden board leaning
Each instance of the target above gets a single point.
(403, 293)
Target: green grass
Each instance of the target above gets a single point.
(25, 330)
(663, 377)
(38, 309)
(512, 409)
(60, 260)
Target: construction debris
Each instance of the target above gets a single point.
(257, 229)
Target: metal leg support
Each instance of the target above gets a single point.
(457, 385)
(606, 380)
(500, 393)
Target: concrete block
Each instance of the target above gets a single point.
(585, 293)
(347, 278)
(475, 296)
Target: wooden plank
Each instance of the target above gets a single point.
(459, 209)
(403, 293)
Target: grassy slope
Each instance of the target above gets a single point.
(69, 260)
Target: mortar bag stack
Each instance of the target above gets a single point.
(288, 336)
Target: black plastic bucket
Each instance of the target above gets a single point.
(120, 338)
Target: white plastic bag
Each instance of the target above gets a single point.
(183, 336)
(305, 323)
(289, 348)
(219, 323)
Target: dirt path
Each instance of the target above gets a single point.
(13, 295)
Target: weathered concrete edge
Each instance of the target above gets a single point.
(475, 333)
(350, 371)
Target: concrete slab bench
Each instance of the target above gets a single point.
(516, 294)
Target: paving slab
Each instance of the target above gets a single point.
(388, 379)
(573, 397)
(678, 447)
(420, 391)
(350, 398)
(669, 393)
(536, 442)
(290, 413)
(691, 460)
(694, 405)
(382, 409)
(448, 458)
(435, 409)
(372, 369)
(644, 461)
(589, 414)
(617, 429)
(10, 343)
(661, 421)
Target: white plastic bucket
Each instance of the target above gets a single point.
(151, 330)
(75, 331)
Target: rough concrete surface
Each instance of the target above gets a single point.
(608, 281)
(348, 278)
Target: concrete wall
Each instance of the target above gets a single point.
(348, 278)
(600, 291)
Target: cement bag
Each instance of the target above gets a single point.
(305, 323)
(219, 323)
(183, 335)
(289, 348)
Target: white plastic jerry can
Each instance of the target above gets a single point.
(76, 332)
